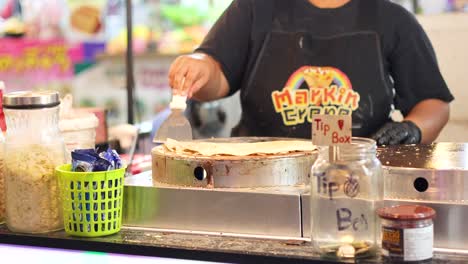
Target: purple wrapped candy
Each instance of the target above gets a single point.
(117, 159)
(87, 160)
(102, 165)
(112, 156)
(83, 160)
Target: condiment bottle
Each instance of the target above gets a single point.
(407, 233)
(33, 148)
(346, 190)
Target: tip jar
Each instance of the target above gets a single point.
(33, 148)
(346, 190)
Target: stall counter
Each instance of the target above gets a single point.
(191, 247)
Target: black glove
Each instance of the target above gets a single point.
(394, 133)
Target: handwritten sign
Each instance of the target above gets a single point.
(331, 187)
(330, 130)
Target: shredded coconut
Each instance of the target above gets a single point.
(32, 195)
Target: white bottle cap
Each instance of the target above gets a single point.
(178, 102)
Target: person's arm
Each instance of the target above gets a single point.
(204, 79)
(430, 116)
(421, 92)
(217, 67)
(217, 87)
(422, 125)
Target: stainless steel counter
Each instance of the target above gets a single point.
(438, 156)
(257, 212)
(433, 175)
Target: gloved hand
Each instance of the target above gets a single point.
(395, 133)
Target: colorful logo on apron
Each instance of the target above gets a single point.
(328, 91)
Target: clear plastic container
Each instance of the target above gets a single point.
(34, 147)
(79, 131)
(78, 127)
(346, 190)
(79, 139)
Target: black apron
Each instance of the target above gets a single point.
(355, 56)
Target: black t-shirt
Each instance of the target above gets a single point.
(409, 59)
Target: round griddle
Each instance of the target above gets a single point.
(233, 171)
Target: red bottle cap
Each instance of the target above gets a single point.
(406, 212)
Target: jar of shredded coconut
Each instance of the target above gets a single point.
(33, 148)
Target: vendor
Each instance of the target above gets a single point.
(292, 59)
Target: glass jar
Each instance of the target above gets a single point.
(407, 233)
(33, 148)
(346, 190)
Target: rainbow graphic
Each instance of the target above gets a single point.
(297, 78)
(329, 92)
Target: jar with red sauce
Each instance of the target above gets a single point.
(407, 233)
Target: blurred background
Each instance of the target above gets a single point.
(78, 47)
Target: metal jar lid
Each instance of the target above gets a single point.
(31, 100)
(406, 212)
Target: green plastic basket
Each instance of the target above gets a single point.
(92, 201)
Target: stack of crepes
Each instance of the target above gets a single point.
(208, 149)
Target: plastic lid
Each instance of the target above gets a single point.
(406, 212)
(31, 100)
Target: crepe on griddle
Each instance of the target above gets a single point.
(238, 149)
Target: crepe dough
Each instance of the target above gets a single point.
(238, 149)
